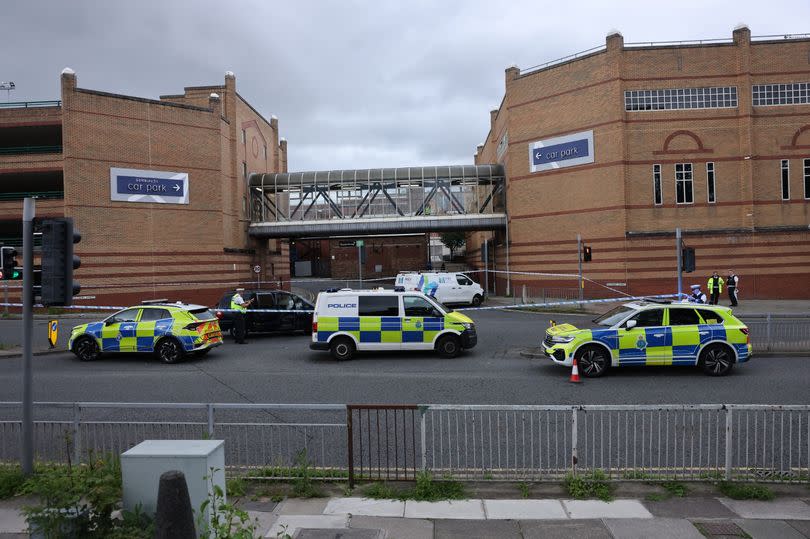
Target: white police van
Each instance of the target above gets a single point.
(348, 320)
(446, 287)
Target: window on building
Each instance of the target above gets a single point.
(710, 182)
(792, 93)
(244, 136)
(807, 178)
(657, 196)
(265, 152)
(785, 170)
(681, 98)
(683, 183)
(244, 170)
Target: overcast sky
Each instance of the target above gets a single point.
(354, 84)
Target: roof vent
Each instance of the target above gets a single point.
(614, 32)
(68, 71)
(741, 26)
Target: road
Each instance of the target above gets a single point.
(282, 369)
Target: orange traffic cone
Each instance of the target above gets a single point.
(575, 373)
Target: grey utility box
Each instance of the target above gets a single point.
(142, 466)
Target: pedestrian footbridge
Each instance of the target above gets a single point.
(377, 201)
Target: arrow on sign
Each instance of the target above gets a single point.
(538, 155)
(176, 187)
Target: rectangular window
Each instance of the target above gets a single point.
(792, 93)
(265, 153)
(244, 137)
(657, 196)
(378, 306)
(683, 183)
(681, 98)
(244, 170)
(807, 178)
(785, 170)
(710, 182)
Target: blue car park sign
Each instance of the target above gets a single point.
(156, 186)
(559, 152)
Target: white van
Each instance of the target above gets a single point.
(348, 320)
(445, 287)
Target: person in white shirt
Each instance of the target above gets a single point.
(697, 295)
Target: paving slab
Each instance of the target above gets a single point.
(264, 521)
(802, 526)
(455, 509)
(769, 529)
(476, 529)
(600, 509)
(396, 528)
(264, 506)
(660, 528)
(778, 509)
(524, 509)
(689, 507)
(302, 506)
(358, 533)
(366, 507)
(564, 529)
(291, 523)
(11, 521)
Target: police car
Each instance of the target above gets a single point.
(348, 320)
(653, 333)
(169, 330)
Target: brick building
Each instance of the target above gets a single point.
(625, 143)
(70, 153)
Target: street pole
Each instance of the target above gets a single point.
(579, 260)
(486, 267)
(360, 263)
(679, 254)
(27, 453)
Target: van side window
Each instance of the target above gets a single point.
(378, 306)
(464, 281)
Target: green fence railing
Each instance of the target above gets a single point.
(30, 104)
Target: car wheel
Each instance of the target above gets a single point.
(476, 301)
(592, 361)
(717, 360)
(448, 346)
(342, 348)
(86, 349)
(169, 351)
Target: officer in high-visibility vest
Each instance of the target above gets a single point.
(239, 307)
(715, 288)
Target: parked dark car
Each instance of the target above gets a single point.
(259, 322)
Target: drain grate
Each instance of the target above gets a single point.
(720, 528)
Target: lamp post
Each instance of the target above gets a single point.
(7, 86)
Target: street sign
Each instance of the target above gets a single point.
(163, 187)
(257, 269)
(53, 332)
(359, 243)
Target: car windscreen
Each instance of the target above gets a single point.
(614, 316)
(438, 303)
(202, 314)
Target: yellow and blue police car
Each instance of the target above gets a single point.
(169, 330)
(653, 333)
(348, 320)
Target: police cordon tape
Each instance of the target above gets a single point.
(492, 308)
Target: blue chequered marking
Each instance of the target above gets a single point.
(110, 345)
(94, 329)
(713, 332)
(163, 327)
(608, 336)
(145, 344)
(370, 336)
(349, 323)
(664, 337)
(127, 329)
(683, 352)
(187, 342)
(391, 323)
(684, 361)
(434, 324)
(412, 336)
(323, 336)
(629, 356)
(742, 352)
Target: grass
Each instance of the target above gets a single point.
(589, 485)
(235, 487)
(524, 490)
(11, 480)
(673, 488)
(635, 474)
(745, 491)
(425, 489)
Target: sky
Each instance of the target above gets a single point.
(355, 84)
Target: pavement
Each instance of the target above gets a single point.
(353, 517)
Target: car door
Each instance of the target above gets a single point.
(286, 303)
(264, 321)
(421, 322)
(151, 324)
(119, 331)
(464, 289)
(686, 337)
(648, 342)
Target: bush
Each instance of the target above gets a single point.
(11, 480)
(745, 491)
(589, 485)
(235, 487)
(425, 489)
(303, 486)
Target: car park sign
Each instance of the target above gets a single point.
(559, 152)
(162, 187)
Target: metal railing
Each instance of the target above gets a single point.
(465, 442)
(778, 332)
(30, 104)
(16, 150)
(42, 195)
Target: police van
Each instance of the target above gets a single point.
(449, 287)
(349, 320)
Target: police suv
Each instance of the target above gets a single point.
(348, 320)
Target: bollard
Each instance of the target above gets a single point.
(174, 518)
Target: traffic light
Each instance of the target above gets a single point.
(586, 253)
(8, 265)
(58, 261)
(688, 259)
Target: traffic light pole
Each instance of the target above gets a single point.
(579, 260)
(679, 253)
(27, 453)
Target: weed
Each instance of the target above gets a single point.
(426, 489)
(282, 533)
(524, 490)
(487, 476)
(711, 475)
(303, 487)
(224, 520)
(380, 491)
(676, 489)
(589, 485)
(656, 497)
(276, 498)
(235, 487)
(635, 474)
(11, 480)
(745, 491)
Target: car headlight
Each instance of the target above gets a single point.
(562, 339)
(467, 325)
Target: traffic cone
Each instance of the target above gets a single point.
(575, 373)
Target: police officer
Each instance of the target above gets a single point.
(697, 295)
(731, 283)
(715, 287)
(239, 307)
